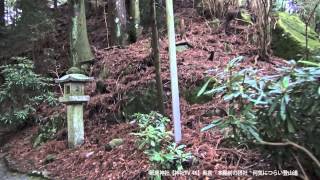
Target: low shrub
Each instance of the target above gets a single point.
(22, 91)
(278, 110)
(157, 142)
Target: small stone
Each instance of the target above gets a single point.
(113, 144)
(216, 112)
(41, 174)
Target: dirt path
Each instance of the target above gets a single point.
(6, 174)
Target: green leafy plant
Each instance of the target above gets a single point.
(22, 91)
(48, 128)
(154, 138)
(152, 130)
(172, 157)
(230, 85)
(285, 106)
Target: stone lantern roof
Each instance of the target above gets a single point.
(79, 78)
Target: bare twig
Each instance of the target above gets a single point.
(56, 73)
(301, 167)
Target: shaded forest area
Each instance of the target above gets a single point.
(88, 89)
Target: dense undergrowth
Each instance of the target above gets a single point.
(22, 92)
(281, 110)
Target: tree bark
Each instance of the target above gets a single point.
(156, 57)
(79, 43)
(2, 14)
(135, 20)
(118, 22)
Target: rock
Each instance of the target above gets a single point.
(114, 143)
(216, 112)
(143, 100)
(41, 174)
(182, 47)
(288, 39)
(49, 158)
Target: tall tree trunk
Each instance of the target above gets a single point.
(2, 13)
(79, 43)
(156, 56)
(118, 22)
(134, 20)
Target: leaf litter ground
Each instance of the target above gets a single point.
(127, 69)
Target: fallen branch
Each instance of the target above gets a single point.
(290, 143)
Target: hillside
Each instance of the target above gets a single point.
(123, 73)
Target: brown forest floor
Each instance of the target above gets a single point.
(126, 161)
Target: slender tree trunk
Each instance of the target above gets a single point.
(156, 56)
(79, 43)
(306, 29)
(118, 22)
(2, 14)
(135, 20)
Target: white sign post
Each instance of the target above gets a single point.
(173, 72)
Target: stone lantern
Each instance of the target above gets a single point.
(74, 98)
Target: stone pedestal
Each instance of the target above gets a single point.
(75, 125)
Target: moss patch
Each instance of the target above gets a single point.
(288, 39)
(142, 100)
(245, 16)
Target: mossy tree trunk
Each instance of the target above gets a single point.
(156, 56)
(118, 22)
(134, 12)
(79, 43)
(263, 10)
(2, 14)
